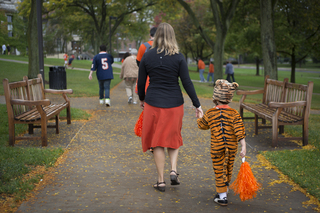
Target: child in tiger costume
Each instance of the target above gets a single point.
(227, 130)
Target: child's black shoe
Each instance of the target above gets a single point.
(221, 202)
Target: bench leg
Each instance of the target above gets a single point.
(274, 131)
(256, 124)
(281, 129)
(30, 129)
(305, 134)
(241, 112)
(44, 137)
(11, 134)
(68, 115)
(57, 124)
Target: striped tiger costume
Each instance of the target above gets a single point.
(227, 130)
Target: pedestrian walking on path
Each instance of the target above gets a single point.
(129, 72)
(201, 66)
(4, 49)
(163, 103)
(8, 49)
(65, 58)
(146, 46)
(211, 72)
(102, 63)
(229, 72)
(227, 130)
(70, 61)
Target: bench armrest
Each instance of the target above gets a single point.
(54, 91)
(286, 104)
(44, 102)
(249, 92)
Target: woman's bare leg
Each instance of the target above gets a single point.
(173, 154)
(159, 159)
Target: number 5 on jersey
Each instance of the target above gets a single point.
(104, 63)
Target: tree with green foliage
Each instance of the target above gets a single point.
(297, 30)
(94, 15)
(135, 27)
(99, 11)
(223, 12)
(3, 28)
(19, 39)
(244, 36)
(188, 37)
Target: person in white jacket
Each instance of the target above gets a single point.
(4, 49)
(129, 73)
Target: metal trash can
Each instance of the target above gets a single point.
(57, 77)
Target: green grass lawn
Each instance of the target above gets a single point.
(84, 64)
(302, 166)
(76, 80)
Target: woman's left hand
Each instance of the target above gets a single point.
(199, 112)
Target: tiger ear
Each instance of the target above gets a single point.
(235, 85)
(218, 82)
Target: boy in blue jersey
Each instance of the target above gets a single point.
(102, 63)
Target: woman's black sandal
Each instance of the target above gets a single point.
(174, 178)
(160, 188)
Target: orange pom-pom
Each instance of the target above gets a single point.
(246, 184)
(138, 126)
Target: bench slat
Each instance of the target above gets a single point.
(34, 115)
(265, 112)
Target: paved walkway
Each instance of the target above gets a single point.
(106, 171)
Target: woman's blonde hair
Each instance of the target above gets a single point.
(165, 40)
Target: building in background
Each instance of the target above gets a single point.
(9, 8)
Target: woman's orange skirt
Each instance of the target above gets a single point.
(161, 127)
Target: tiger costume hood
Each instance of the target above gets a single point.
(223, 91)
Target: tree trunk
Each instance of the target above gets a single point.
(33, 53)
(293, 67)
(257, 66)
(222, 18)
(267, 39)
(218, 55)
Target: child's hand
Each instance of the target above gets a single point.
(243, 152)
(199, 112)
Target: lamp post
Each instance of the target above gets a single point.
(110, 17)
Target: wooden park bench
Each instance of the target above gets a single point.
(283, 103)
(27, 104)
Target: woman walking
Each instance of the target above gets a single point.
(163, 101)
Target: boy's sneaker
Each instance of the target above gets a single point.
(101, 101)
(130, 100)
(108, 102)
(134, 102)
(221, 202)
